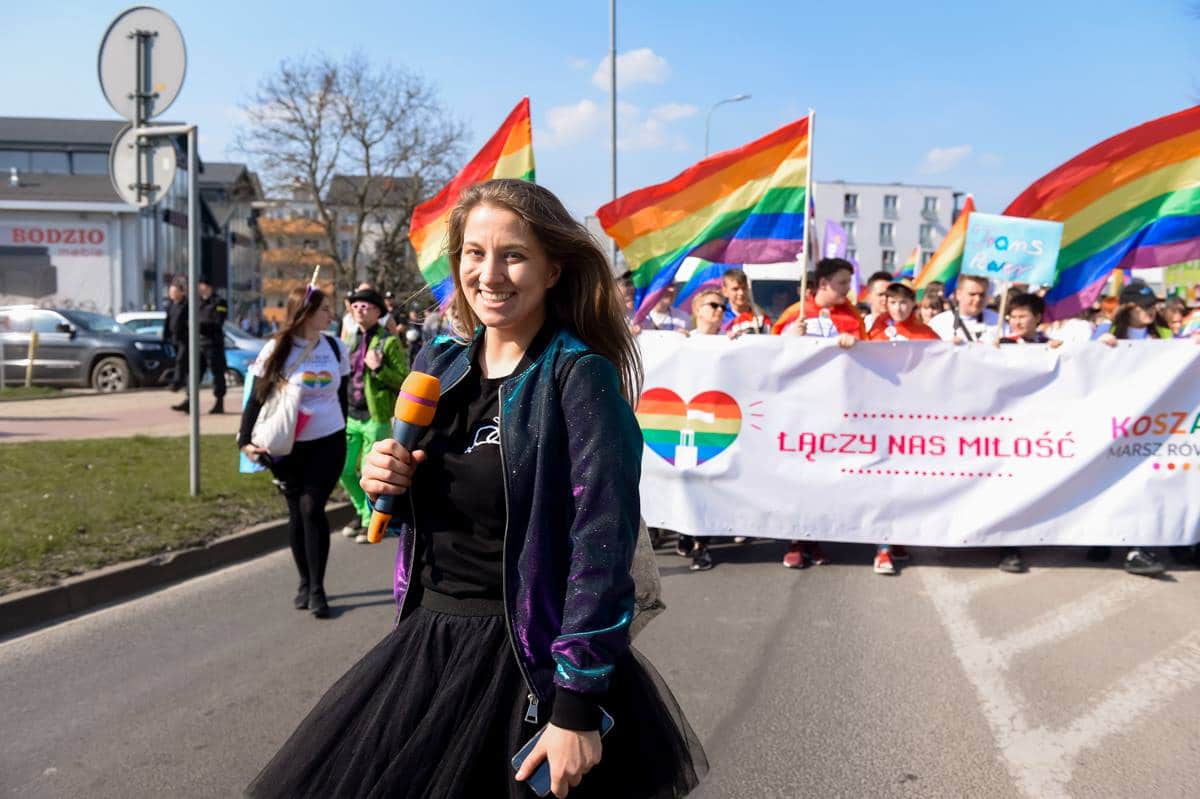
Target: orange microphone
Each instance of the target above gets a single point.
(415, 407)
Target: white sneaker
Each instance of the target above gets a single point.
(352, 529)
(361, 538)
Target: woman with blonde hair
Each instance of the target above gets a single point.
(513, 577)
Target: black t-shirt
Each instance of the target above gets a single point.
(458, 493)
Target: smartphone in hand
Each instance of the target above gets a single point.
(539, 780)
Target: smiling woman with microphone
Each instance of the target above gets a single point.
(509, 670)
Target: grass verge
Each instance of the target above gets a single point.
(70, 506)
(21, 392)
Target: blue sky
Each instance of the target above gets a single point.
(982, 96)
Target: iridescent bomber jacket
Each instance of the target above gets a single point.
(571, 451)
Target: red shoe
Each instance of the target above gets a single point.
(883, 562)
(794, 559)
(899, 552)
(816, 555)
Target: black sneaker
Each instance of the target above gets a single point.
(1143, 563)
(318, 605)
(701, 560)
(1012, 562)
(301, 600)
(1099, 554)
(683, 546)
(182, 407)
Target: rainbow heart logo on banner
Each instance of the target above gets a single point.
(316, 379)
(689, 433)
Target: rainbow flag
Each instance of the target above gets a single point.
(707, 276)
(741, 206)
(908, 269)
(946, 262)
(508, 154)
(1129, 202)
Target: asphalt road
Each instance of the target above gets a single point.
(950, 680)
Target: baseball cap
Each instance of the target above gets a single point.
(1139, 294)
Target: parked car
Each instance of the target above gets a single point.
(80, 348)
(240, 348)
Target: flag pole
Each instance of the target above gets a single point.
(808, 218)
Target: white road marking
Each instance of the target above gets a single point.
(1039, 758)
(1058, 623)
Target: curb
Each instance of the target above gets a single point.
(22, 611)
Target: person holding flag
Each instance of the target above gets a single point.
(827, 312)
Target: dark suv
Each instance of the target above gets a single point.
(79, 348)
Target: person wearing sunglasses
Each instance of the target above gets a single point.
(708, 308)
(378, 366)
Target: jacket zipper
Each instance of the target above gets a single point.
(531, 712)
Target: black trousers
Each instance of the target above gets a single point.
(179, 379)
(213, 357)
(308, 476)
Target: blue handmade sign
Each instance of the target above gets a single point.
(1011, 249)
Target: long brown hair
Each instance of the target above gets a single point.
(302, 303)
(1123, 320)
(585, 299)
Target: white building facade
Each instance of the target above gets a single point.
(885, 221)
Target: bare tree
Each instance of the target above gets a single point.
(364, 145)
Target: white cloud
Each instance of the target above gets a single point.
(577, 64)
(651, 131)
(636, 129)
(943, 159)
(569, 124)
(633, 67)
(990, 159)
(673, 111)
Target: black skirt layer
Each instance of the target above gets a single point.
(436, 711)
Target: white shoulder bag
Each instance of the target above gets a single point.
(275, 429)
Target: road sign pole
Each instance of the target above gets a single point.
(193, 249)
(157, 60)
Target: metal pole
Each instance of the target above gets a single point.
(708, 117)
(193, 258)
(612, 101)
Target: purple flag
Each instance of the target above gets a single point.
(835, 240)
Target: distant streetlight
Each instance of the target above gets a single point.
(735, 99)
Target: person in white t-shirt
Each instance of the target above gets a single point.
(973, 320)
(665, 317)
(303, 355)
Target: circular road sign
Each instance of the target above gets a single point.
(162, 65)
(157, 161)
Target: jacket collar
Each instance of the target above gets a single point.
(469, 357)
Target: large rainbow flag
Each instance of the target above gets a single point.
(508, 154)
(1131, 201)
(740, 206)
(946, 262)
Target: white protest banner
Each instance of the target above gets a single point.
(922, 443)
(1012, 249)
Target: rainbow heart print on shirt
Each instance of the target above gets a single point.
(687, 434)
(316, 379)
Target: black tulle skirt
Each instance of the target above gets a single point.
(436, 711)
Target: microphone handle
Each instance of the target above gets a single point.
(407, 435)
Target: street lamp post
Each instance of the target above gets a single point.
(735, 99)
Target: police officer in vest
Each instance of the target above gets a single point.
(211, 310)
